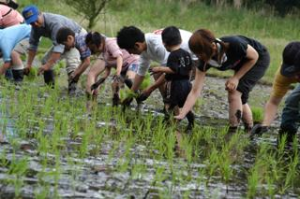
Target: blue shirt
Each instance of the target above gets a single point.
(52, 23)
(10, 37)
(81, 46)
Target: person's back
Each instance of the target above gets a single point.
(9, 17)
(10, 37)
(52, 23)
(180, 62)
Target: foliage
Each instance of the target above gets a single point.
(90, 9)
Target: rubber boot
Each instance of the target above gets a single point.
(18, 75)
(49, 77)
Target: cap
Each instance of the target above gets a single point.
(291, 59)
(30, 14)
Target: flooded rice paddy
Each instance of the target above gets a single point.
(51, 148)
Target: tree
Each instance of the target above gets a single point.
(90, 9)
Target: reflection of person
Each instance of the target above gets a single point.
(9, 38)
(177, 73)
(150, 48)
(247, 57)
(111, 56)
(47, 25)
(288, 73)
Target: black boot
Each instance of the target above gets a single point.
(191, 119)
(49, 77)
(115, 99)
(72, 88)
(18, 75)
(247, 127)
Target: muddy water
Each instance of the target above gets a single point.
(99, 174)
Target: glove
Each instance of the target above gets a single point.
(258, 130)
(117, 78)
(127, 101)
(142, 97)
(97, 84)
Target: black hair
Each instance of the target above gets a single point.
(63, 34)
(94, 38)
(128, 36)
(171, 36)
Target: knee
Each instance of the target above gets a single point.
(234, 97)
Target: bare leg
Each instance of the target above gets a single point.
(235, 108)
(96, 69)
(161, 87)
(247, 117)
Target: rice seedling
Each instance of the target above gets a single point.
(17, 169)
(257, 114)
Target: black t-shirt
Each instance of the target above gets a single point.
(236, 53)
(180, 62)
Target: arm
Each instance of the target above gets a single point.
(4, 67)
(119, 65)
(82, 67)
(162, 69)
(271, 110)
(193, 95)
(161, 80)
(54, 57)
(8, 56)
(252, 56)
(138, 79)
(31, 55)
(107, 72)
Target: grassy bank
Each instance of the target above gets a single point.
(274, 32)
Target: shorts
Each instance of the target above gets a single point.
(132, 67)
(176, 92)
(249, 80)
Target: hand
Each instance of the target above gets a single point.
(232, 83)
(154, 70)
(27, 70)
(258, 130)
(97, 84)
(127, 101)
(142, 97)
(179, 117)
(117, 79)
(73, 77)
(42, 69)
(147, 92)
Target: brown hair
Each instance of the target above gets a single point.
(201, 41)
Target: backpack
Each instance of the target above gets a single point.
(11, 3)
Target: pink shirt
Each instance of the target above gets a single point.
(11, 19)
(112, 51)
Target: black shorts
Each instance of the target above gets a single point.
(249, 80)
(176, 92)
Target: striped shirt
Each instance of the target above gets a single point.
(81, 46)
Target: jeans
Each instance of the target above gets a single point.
(290, 113)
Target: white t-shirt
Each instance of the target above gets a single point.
(157, 52)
